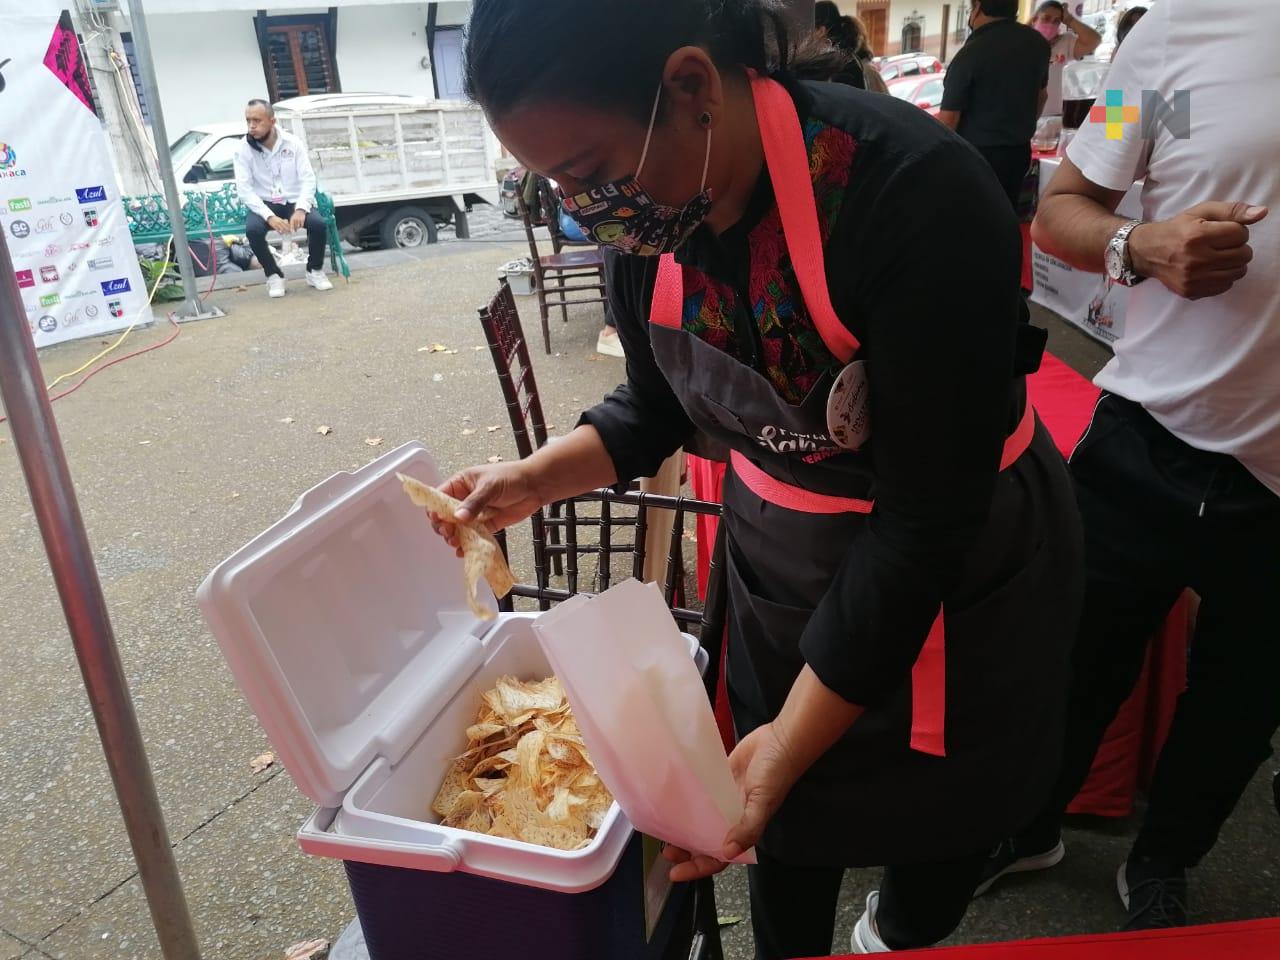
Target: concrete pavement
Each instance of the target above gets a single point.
(180, 457)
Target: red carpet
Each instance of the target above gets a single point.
(1064, 400)
(1255, 940)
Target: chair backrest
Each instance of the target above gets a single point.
(510, 351)
(586, 528)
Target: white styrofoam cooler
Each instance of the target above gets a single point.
(347, 628)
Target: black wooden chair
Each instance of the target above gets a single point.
(563, 277)
(603, 527)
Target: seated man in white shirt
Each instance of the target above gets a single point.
(276, 182)
(1178, 475)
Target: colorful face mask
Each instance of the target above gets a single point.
(622, 215)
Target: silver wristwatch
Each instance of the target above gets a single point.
(1116, 259)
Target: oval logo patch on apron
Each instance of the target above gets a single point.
(849, 407)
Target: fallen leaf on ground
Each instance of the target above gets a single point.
(143, 443)
(468, 432)
(235, 496)
(308, 950)
(241, 289)
(434, 348)
(262, 761)
(324, 429)
(477, 348)
(437, 378)
(492, 429)
(285, 420)
(373, 441)
(451, 352)
(495, 459)
(729, 921)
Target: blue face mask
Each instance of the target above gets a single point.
(623, 216)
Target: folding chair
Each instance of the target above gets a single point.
(590, 523)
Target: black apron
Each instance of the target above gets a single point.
(966, 750)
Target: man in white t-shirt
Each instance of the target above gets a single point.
(1069, 39)
(1178, 475)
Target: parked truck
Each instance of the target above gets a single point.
(397, 167)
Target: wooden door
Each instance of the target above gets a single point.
(876, 20)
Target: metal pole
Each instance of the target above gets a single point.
(35, 437)
(147, 68)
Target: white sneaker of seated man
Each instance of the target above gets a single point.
(315, 278)
(866, 936)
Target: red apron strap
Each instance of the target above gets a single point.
(781, 494)
(788, 161)
(929, 693)
(667, 309)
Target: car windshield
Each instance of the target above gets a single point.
(184, 145)
(904, 91)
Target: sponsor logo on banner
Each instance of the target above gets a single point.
(67, 219)
(25, 279)
(106, 241)
(118, 285)
(115, 308)
(81, 294)
(48, 324)
(20, 229)
(49, 274)
(50, 300)
(52, 250)
(90, 311)
(91, 194)
(101, 263)
(91, 217)
(51, 200)
(72, 318)
(18, 204)
(9, 162)
(80, 246)
(46, 225)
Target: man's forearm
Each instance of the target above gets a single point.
(573, 465)
(1075, 229)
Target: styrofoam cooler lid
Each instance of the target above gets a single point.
(345, 622)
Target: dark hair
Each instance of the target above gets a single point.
(1127, 21)
(256, 102)
(850, 36)
(1050, 4)
(826, 15)
(1000, 8)
(522, 51)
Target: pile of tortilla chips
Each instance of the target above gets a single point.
(481, 555)
(526, 775)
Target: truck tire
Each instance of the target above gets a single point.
(407, 228)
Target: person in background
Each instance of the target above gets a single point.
(1069, 39)
(850, 36)
(1128, 20)
(995, 89)
(1178, 475)
(276, 182)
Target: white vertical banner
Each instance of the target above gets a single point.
(60, 204)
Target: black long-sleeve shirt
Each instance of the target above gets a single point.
(923, 263)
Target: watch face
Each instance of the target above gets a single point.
(1113, 260)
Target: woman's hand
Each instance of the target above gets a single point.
(501, 494)
(766, 769)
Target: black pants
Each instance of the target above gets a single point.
(793, 909)
(1011, 165)
(317, 238)
(1160, 516)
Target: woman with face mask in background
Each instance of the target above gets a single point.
(1069, 39)
(903, 545)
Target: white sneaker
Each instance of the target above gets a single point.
(866, 938)
(608, 344)
(275, 286)
(317, 279)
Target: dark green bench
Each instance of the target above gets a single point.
(214, 214)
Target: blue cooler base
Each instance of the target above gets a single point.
(420, 915)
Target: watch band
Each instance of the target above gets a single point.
(1120, 244)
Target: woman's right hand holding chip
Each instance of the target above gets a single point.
(499, 494)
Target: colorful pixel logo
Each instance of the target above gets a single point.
(1156, 112)
(8, 157)
(1115, 114)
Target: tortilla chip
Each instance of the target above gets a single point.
(526, 774)
(481, 555)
